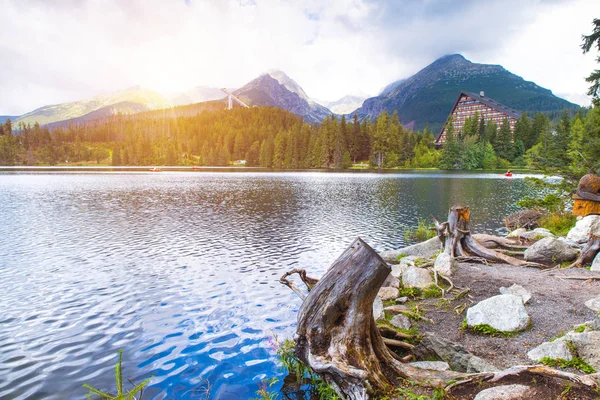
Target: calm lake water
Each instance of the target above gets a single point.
(181, 269)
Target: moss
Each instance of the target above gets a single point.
(421, 261)
(575, 362)
(410, 292)
(579, 329)
(487, 330)
(400, 256)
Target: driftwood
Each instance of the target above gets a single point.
(523, 219)
(456, 237)
(339, 339)
(589, 252)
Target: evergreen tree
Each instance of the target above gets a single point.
(452, 151)
(503, 144)
(116, 157)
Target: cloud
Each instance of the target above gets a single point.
(56, 51)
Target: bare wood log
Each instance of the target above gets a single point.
(394, 334)
(491, 241)
(397, 343)
(589, 252)
(308, 281)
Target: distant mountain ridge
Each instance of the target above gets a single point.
(345, 105)
(276, 89)
(198, 94)
(427, 96)
(122, 101)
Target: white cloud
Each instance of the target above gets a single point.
(56, 51)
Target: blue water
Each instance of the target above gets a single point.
(181, 269)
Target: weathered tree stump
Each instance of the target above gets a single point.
(456, 237)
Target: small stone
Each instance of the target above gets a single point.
(426, 249)
(432, 365)
(517, 233)
(377, 308)
(391, 281)
(402, 299)
(556, 349)
(387, 293)
(593, 304)
(401, 322)
(506, 392)
(537, 234)
(517, 290)
(505, 313)
(398, 269)
(416, 277)
(478, 364)
(596, 263)
(445, 264)
(395, 309)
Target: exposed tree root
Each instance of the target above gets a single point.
(588, 254)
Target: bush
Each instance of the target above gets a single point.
(421, 233)
(559, 223)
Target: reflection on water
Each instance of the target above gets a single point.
(180, 269)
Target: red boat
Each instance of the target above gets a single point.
(508, 174)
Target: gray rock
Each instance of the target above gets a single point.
(550, 251)
(517, 233)
(478, 364)
(536, 234)
(517, 290)
(504, 312)
(596, 263)
(587, 345)
(398, 269)
(377, 308)
(584, 227)
(432, 365)
(507, 392)
(391, 281)
(402, 299)
(556, 349)
(417, 277)
(400, 321)
(445, 264)
(387, 293)
(593, 304)
(426, 249)
(433, 346)
(395, 309)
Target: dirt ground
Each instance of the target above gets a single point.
(557, 305)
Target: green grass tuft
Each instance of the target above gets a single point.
(575, 362)
(487, 330)
(559, 223)
(419, 234)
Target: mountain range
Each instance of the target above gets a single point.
(423, 98)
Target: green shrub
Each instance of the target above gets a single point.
(575, 362)
(559, 223)
(419, 234)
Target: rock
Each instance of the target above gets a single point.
(506, 392)
(587, 345)
(584, 227)
(445, 264)
(517, 290)
(402, 299)
(517, 233)
(395, 309)
(398, 269)
(391, 281)
(433, 346)
(478, 364)
(505, 313)
(556, 349)
(596, 263)
(426, 249)
(550, 251)
(537, 234)
(407, 261)
(593, 304)
(377, 308)
(432, 365)
(417, 277)
(401, 322)
(387, 293)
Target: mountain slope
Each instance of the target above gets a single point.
(276, 89)
(3, 118)
(346, 105)
(428, 96)
(197, 95)
(143, 98)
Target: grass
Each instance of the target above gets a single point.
(420, 233)
(487, 330)
(575, 362)
(427, 293)
(408, 392)
(559, 223)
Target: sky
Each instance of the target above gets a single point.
(54, 51)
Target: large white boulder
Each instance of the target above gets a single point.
(593, 304)
(596, 263)
(536, 234)
(505, 313)
(550, 251)
(587, 345)
(556, 349)
(517, 290)
(584, 227)
(426, 249)
(416, 277)
(445, 264)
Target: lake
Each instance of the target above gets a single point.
(181, 269)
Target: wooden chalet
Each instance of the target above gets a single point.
(468, 103)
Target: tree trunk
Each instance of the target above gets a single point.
(589, 252)
(456, 236)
